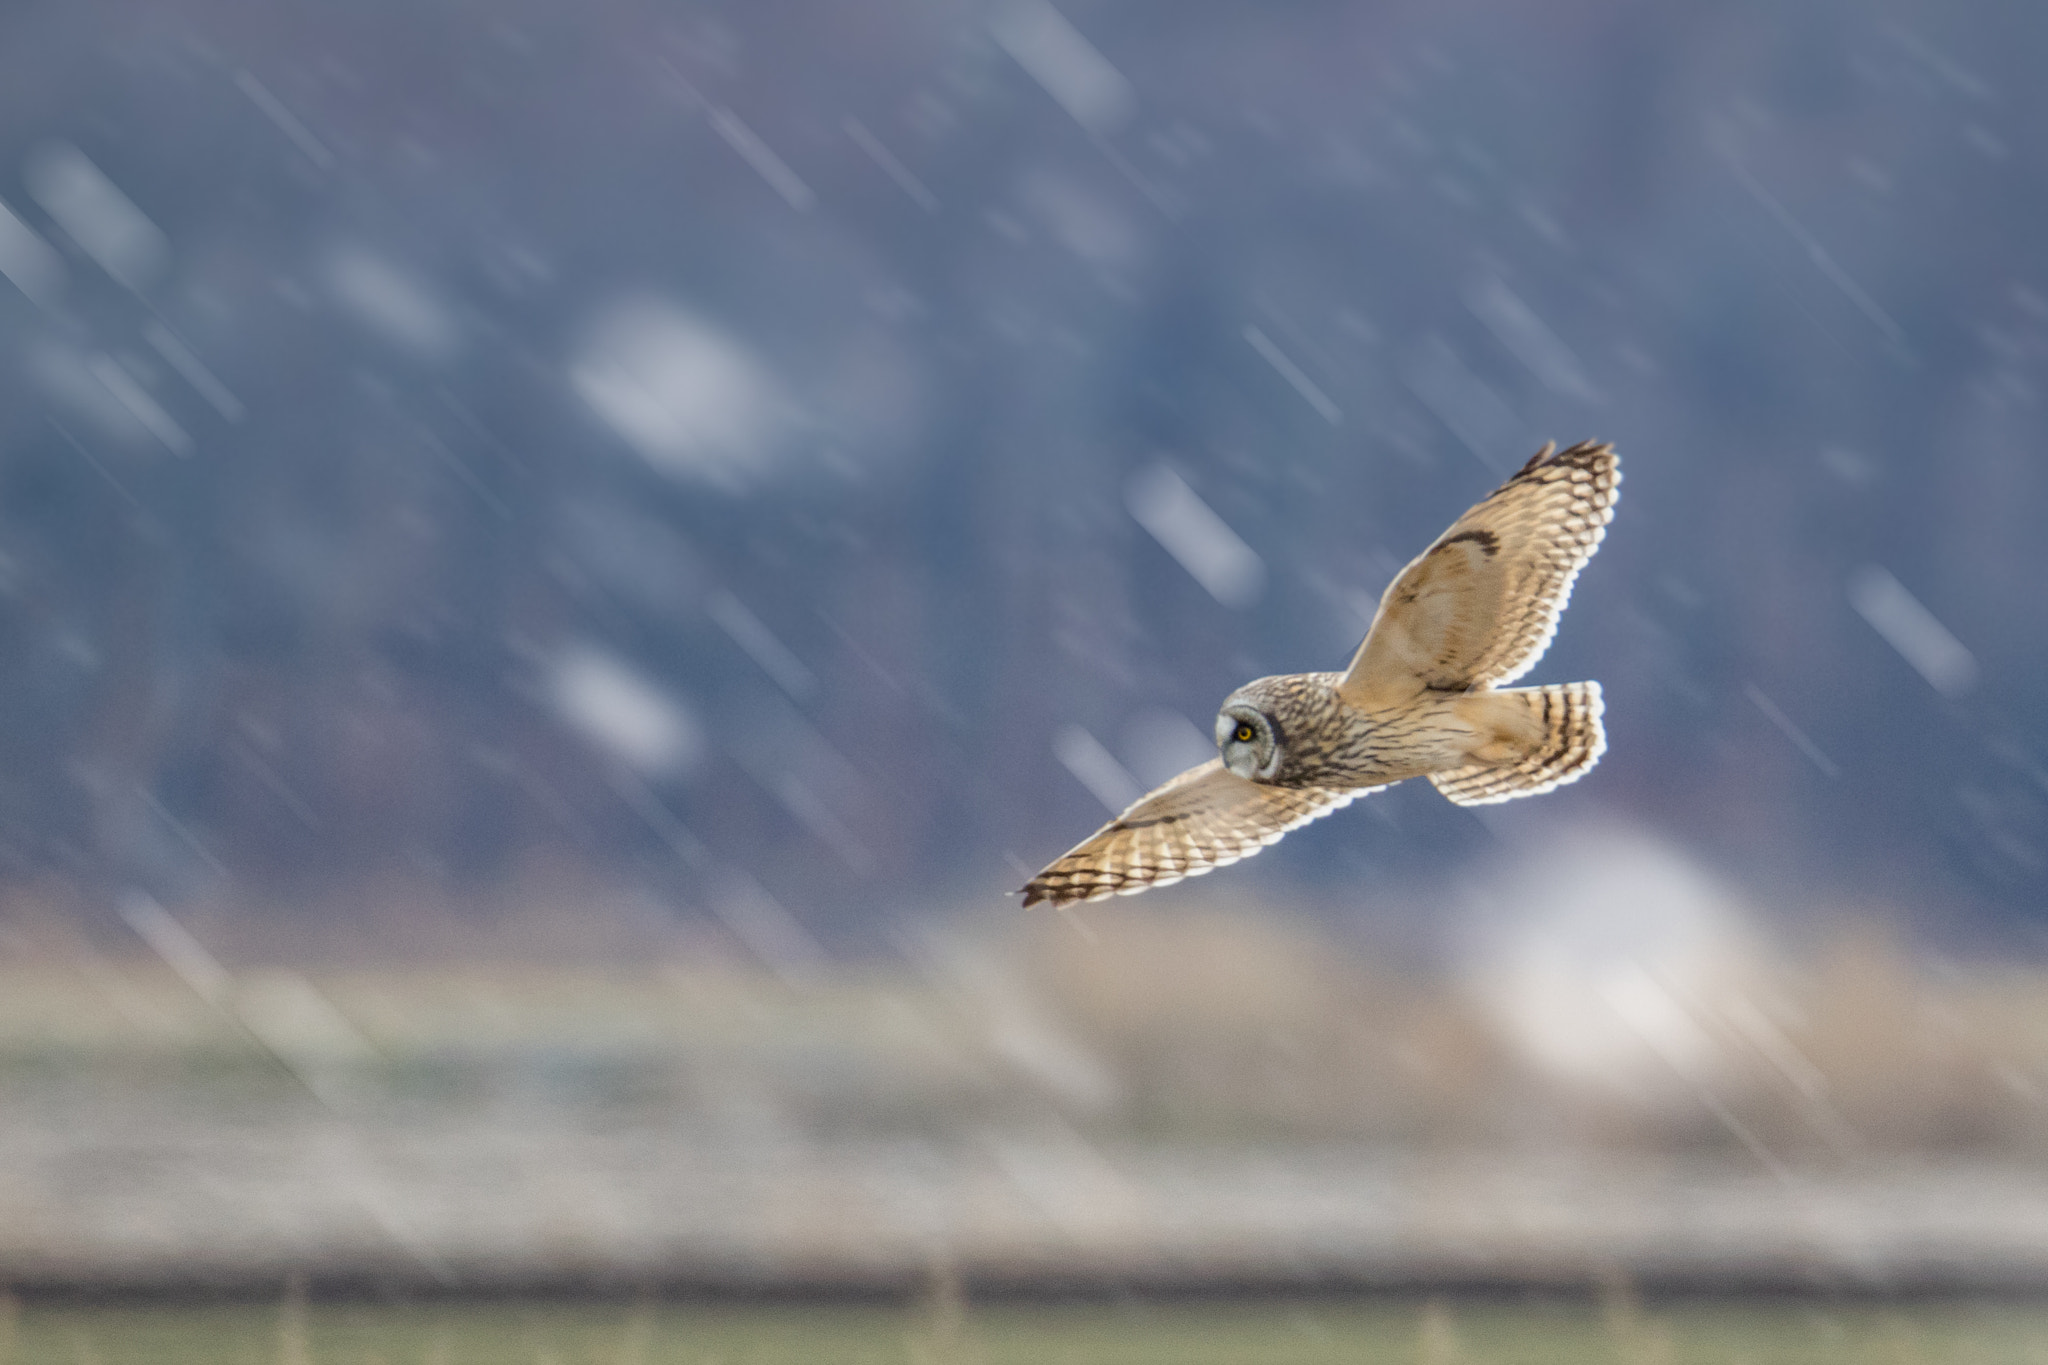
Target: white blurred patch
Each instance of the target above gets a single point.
(103, 221)
(1161, 744)
(1603, 955)
(690, 399)
(873, 397)
(1852, 467)
(1095, 768)
(1080, 221)
(1077, 76)
(1913, 631)
(623, 713)
(391, 303)
(29, 262)
(1199, 540)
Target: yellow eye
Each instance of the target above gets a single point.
(1244, 733)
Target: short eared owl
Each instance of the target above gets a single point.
(1424, 696)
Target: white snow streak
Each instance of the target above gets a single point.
(31, 263)
(1095, 768)
(287, 123)
(760, 645)
(763, 159)
(1077, 76)
(1529, 339)
(1199, 540)
(180, 358)
(143, 408)
(103, 221)
(1913, 631)
(1293, 374)
(919, 193)
(1792, 732)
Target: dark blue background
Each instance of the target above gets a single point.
(1794, 259)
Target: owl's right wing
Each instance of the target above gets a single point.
(1206, 818)
(1478, 608)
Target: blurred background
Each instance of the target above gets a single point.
(559, 563)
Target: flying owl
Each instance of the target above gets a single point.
(1424, 696)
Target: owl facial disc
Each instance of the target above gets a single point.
(1246, 738)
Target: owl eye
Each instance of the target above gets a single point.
(1244, 733)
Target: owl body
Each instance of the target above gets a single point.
(1321, 741)
(1425, 695)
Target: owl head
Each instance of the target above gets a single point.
(1249, 733)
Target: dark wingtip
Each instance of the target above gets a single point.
(1550, 454)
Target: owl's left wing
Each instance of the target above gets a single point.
(1479, 607)
(1206, 818)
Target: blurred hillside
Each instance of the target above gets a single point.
(691, 452)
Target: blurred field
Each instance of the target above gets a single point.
(1200, 1099)
(1436, 1332)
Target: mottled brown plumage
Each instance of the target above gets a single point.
(1423, 697)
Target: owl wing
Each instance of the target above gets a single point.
(1479, 607)
(1206, 818)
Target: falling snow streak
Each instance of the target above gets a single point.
(143, 408)
(287, 122)
(29, 262)
(1066, 65)
(759, 644)
(180, 358)
(93, 463)
(1095, 768)
(1792, 732)
(1912, 630)
(765, 926)
(891, 167)
(763, 159)
(181, 952)
(1292, 373)
(1199, 541)
(1529, 339)
(640, 798)
(104, 222)
(1822, 258)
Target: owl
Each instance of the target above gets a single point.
(1425, 696)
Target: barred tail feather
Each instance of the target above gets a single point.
(1571, 742)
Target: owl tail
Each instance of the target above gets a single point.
(1564, 720)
